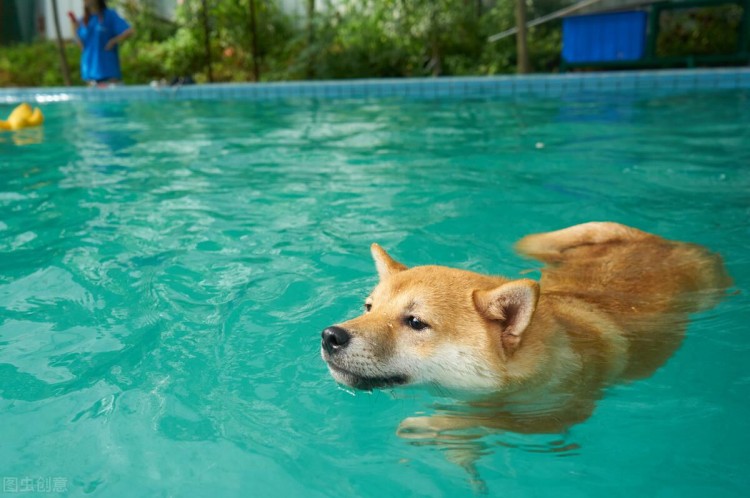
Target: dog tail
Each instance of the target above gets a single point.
(549, 247)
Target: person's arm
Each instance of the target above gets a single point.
(75, 25)
(119, 26)
(115, 40)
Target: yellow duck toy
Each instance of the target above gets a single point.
(22, 117)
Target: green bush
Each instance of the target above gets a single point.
(699, 31)
(345, 39)
(143, 61)
(37, 64)
(359, 44)
(544, 41)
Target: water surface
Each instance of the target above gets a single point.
(166, 269)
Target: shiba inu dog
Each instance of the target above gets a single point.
(612, 305)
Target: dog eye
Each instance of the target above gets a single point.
(415, 323)
(368, 307)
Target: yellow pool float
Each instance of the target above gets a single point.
(22, 117)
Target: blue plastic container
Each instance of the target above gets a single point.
(616, 36)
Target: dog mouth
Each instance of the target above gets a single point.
(365, 383)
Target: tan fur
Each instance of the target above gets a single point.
(612, 305)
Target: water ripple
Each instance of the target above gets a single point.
(163, 284)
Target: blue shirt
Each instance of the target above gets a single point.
(97, 63)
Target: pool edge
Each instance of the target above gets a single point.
(670, 81)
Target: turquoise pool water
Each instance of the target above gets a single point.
(166, 269)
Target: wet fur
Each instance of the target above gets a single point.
(612, 305)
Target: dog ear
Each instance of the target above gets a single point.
(512, 305)
(386, 265)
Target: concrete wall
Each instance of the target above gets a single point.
(63, 6)
(165, 8)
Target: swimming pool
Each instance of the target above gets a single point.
(167, 267)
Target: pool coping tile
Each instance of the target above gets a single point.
(536, 85)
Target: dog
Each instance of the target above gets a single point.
(611, 306)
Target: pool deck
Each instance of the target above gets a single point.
(547, 85)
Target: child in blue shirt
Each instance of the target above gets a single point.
(99, 33)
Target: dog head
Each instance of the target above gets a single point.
(431, 325)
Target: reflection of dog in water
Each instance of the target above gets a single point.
(612, 305)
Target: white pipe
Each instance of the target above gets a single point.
(543, 19)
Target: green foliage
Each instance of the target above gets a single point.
(229, 40)
(358, 40)
(143, 14)
(544, 41)
(391, 38)
(143, 61)
(345, 39)
(37, 64)
(699, 31)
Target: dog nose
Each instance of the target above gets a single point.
(334, 338)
